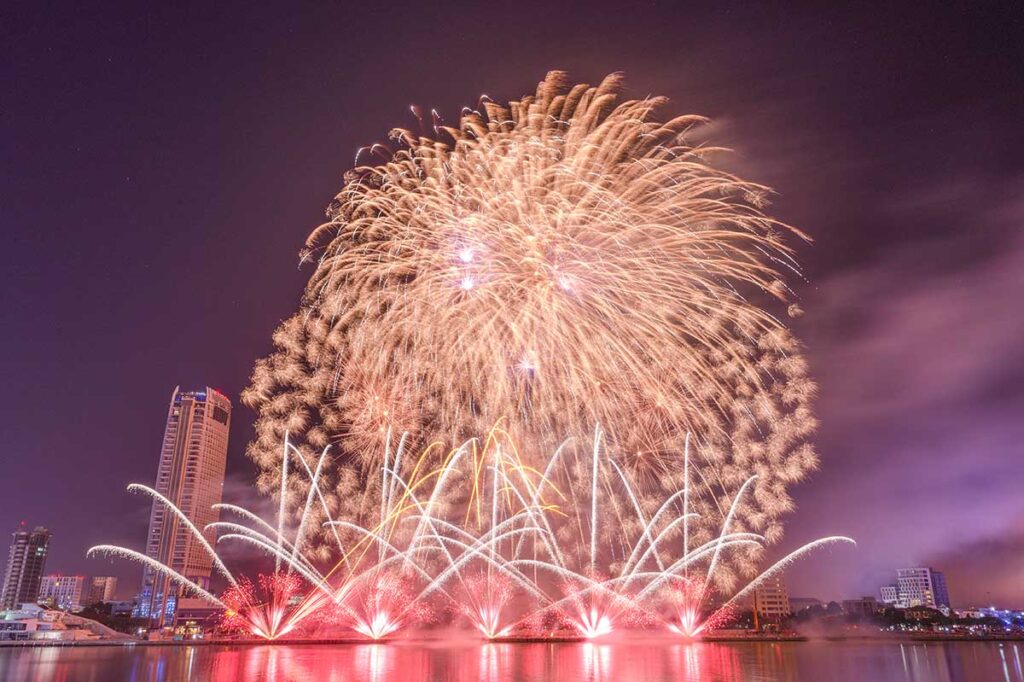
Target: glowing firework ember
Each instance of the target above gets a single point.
(566, 261)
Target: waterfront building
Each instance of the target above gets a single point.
(196, 617)
(122, 608)
(1008, 616)
(798, 604)
(864, 607)
(63, 592)
(918, 586)
(26, 562)
(102, 588)
(922, 586)
(191, 475)
(890, 595)
(33, 622)
(771, 600)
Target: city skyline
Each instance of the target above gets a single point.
(911, 293)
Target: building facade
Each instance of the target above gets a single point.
(864, 607)
(102, 588)
(63, 592)
(798, 604)
(918, 586)
(191, 476)
(922, 586)
(771, 600)
(26, 562)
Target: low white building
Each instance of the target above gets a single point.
(33, 622)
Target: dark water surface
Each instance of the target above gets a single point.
(569, 662)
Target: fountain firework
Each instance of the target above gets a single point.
(508, 571)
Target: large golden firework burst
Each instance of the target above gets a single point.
(564, 262)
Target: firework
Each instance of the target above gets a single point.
(534, 563)
(274, 610)
(569, 268)
(692, 614)
(564, 261)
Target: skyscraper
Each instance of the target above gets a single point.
(25, 565)
(190, 475)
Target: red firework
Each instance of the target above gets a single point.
(691, 616)
(273, 610)
(381, 604)
(484, 600)
(597, 608)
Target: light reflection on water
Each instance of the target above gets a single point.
(622, 661)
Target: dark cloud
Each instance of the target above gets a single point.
(988, 571)
(920, 358)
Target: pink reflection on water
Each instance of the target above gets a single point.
(457, 659)
(466, 661)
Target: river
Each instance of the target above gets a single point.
(467, 661)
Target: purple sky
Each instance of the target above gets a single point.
(163, 166)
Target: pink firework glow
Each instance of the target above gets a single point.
(274, 610)
(597, 608)
(691, 616)
(484, 600)
(381, 605)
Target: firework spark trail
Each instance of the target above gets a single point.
(196, 533)
(155, 565)
(564, 261)
(283, 501)
(314, 486)
(788, 559)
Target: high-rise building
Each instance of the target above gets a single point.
(25, 565)
(922, 586)
(101, 589)
(191, 476)
(919, 586)
(771, 600)
(63, 591)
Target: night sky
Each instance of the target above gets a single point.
(162, 167)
